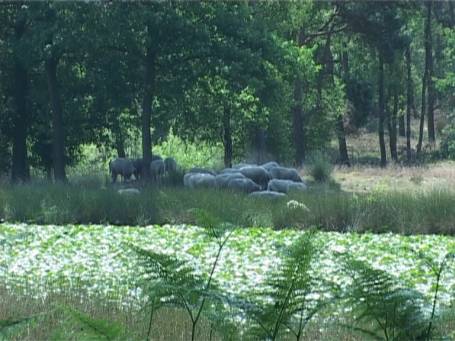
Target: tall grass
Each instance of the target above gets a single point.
(64, 204)
(422, 212)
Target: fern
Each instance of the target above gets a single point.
(171, 282)
(13, 327)
(437, 269)
(289, 304)
(86, 327)
(378, 300)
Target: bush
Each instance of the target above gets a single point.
(320, 167)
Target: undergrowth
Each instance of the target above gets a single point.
(424, 212)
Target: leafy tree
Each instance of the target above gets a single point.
(378, 23)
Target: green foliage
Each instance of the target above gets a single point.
(320, 167)
(188, 155)
(447, 145)
(377, 299)
(71, 323)
(322, 206)
(172, 282)
(60, 204)
(386, 310)
(11, 327)
(289, 304)
(81, 326)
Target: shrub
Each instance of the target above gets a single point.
(320, 167)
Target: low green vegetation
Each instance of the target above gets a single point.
(260, 283)
(320, 167)
(323, 206)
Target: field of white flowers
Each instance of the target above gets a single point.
(39, 259)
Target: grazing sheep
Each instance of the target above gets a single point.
(244, 185)
(267, 195)
(223, 179)
(241, 165)
(128, 191)
(269, 165)
(157, 169)
(121, 166)
(258, 174)
(229, 170)
(139, 165)
(170, 165)
(284, 186)
(284, 173)
(199, 180)
(202, 171)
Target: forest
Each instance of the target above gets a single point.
(277, 79)
(227, 170)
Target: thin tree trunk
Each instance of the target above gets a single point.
(120, 147)
(58, 143)
(430, 83)
(341, 134)
(409, 104)
(298, 115)
(147, 114)
(342, 145)
(19, 170)
(227, 138)
(402, 126)
(381, 111)
(452, 13)
(119, 139)
(423, 107)
(393, 128)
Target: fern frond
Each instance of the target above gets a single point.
(288, 305)
(86, 327)
(13, 327)
(380, 301)
(173, 283)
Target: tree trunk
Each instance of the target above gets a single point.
(48, 170)
(452, 14)
(119, 139)
(429, 67)
(381, 111)
(409, 104)
(393, 128)
(147, 113)
(423, 107)
(19, 170)
(58, 143)
(298, 115)
(402, 126)
(341, 134)
(119, 146)
(227, 138)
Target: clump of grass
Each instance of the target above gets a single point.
(320, 167)
(69, 204)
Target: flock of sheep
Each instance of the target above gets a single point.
(269, 180)
(129, 167)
